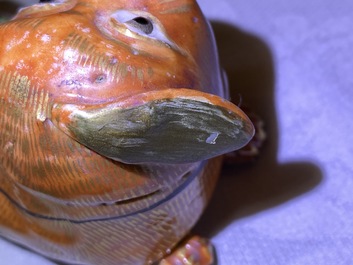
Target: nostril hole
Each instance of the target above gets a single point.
(100, 79)
(142, 24)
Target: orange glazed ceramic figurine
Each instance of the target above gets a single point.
(113, 122)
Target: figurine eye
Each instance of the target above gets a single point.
(141, 24)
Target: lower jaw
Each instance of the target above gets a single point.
(136, 238)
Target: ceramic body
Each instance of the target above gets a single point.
(111, 113)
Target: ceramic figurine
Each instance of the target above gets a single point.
(114, 119)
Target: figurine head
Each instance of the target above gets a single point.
(136, 81)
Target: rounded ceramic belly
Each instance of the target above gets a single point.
(139, 237)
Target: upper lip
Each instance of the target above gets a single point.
(167, 126)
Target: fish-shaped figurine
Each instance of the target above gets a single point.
(113, 121)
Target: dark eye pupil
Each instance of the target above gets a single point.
(46, 1)
(142, 21)
(143, 24)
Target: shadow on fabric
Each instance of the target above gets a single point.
(248, 189)
(7, 9)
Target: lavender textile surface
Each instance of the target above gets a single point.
(292, 62)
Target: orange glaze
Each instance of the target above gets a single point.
(97, 165)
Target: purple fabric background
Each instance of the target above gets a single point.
(292, 62)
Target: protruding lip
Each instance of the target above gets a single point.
(167, 126)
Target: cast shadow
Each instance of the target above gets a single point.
(249, 189)
(8, 8)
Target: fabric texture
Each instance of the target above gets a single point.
(291, 62)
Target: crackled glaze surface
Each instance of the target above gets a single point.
(111, 116)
